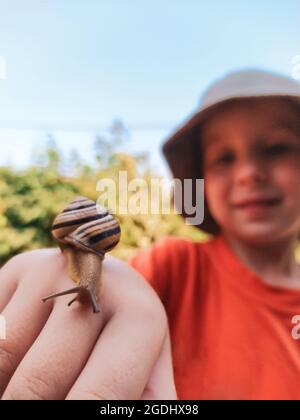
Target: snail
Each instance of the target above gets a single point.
(85, 231)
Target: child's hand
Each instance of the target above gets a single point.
(53, 351)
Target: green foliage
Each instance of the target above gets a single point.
(30, 199)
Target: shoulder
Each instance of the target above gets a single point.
(167, 245)
(169, 252)
(164, 263)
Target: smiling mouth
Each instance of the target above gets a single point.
(258, 203)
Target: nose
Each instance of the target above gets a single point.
(250, 170)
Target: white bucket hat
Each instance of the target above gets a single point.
(182, 151)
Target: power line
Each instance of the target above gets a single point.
(82, 127)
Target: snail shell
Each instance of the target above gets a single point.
(85, 231)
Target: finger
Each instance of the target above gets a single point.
(8, 281)
(58, 355)
(122, 360)
(161, 385)
(25, 315)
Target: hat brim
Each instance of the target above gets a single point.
(183, 155)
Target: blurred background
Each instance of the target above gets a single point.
(88, 88)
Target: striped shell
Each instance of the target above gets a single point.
(87, 226)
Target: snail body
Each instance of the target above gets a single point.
(85, 231)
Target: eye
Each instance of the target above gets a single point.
(277, 149)
(224, 158)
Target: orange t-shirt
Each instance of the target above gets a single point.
(231, 333)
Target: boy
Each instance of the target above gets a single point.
(229, 301)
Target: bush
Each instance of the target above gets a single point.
(30, 199)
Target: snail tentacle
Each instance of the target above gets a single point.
(65, 292)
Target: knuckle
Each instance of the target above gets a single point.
(7, 363)
(29, 387)
(88, 394)
(153, 308)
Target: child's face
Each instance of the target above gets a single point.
(252, 152)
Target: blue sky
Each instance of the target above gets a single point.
(74, 66)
